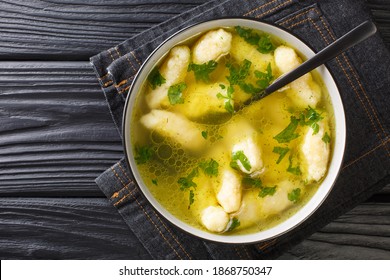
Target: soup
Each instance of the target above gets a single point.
(211, 153)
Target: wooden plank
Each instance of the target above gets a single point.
(57, 30)
(55, 228)
(79, 228)
(56, 133)
(362, 233)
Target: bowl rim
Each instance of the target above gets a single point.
(137, 184)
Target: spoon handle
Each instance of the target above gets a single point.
(353, 37)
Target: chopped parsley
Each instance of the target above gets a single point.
(240, 156)
(288, 133)
(175, 93)
(257, 183)
(186, 182)
(154, 181)
(210, 167)
(311, 118)
(205, 134)
(228, 99)
(233, 224)
(293, 170)
(238, 73)
(281, 151)
(267, 191)
(155, 78)
(191, 198)
(294, 195)
(253, 182)
(262, 43)
(143, 154)
(202, 71)
(326, 138)
(264, 78)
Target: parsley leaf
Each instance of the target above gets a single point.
(143, 154)
(191, 198)
(202, 71)
(155, 79)
(288, 133)
(267, 191)
(262, 43)
(264, 78)
(186, 182)
(254, 182)
(209, 167)
(154, 181)
(228, 99)
(233, 224)
(311, 118)
(240, 156)
(175, 93)
(294, 195)
(282, 151)
(265, 44)
(204, 134)
(294, 170)
(326, 138)
(238, 73)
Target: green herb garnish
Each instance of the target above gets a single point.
(175, 93)
(294, 170)
(265, 44)
(264, 78)
(191, 198)
(281, 151)
(288, 133)
(294, 195)
(326, 138)
(238, 73)
(253, 182)
(240, 156)
(202, 71)
(311, 118)
(210, 167)
(228, 99)
(204, 134)
(262, 43)
(154, 181)
(267, 191)
(143, 154)
(233, 224)
(186, 183)
(155, 79)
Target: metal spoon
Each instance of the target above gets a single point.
(353, 37)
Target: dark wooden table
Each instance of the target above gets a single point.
(56, 136)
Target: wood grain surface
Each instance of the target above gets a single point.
(57, 136)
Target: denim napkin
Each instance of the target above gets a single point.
(363, 76)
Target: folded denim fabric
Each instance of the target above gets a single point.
(363, 77)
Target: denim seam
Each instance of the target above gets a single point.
(383, 142)
(274, 9)
(262, 6)
(346, 60)
(352, 162)
(139, 63)
(162, 223)
(147, 215)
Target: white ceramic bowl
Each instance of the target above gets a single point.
(339, 137)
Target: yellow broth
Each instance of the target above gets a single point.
(170, 161)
